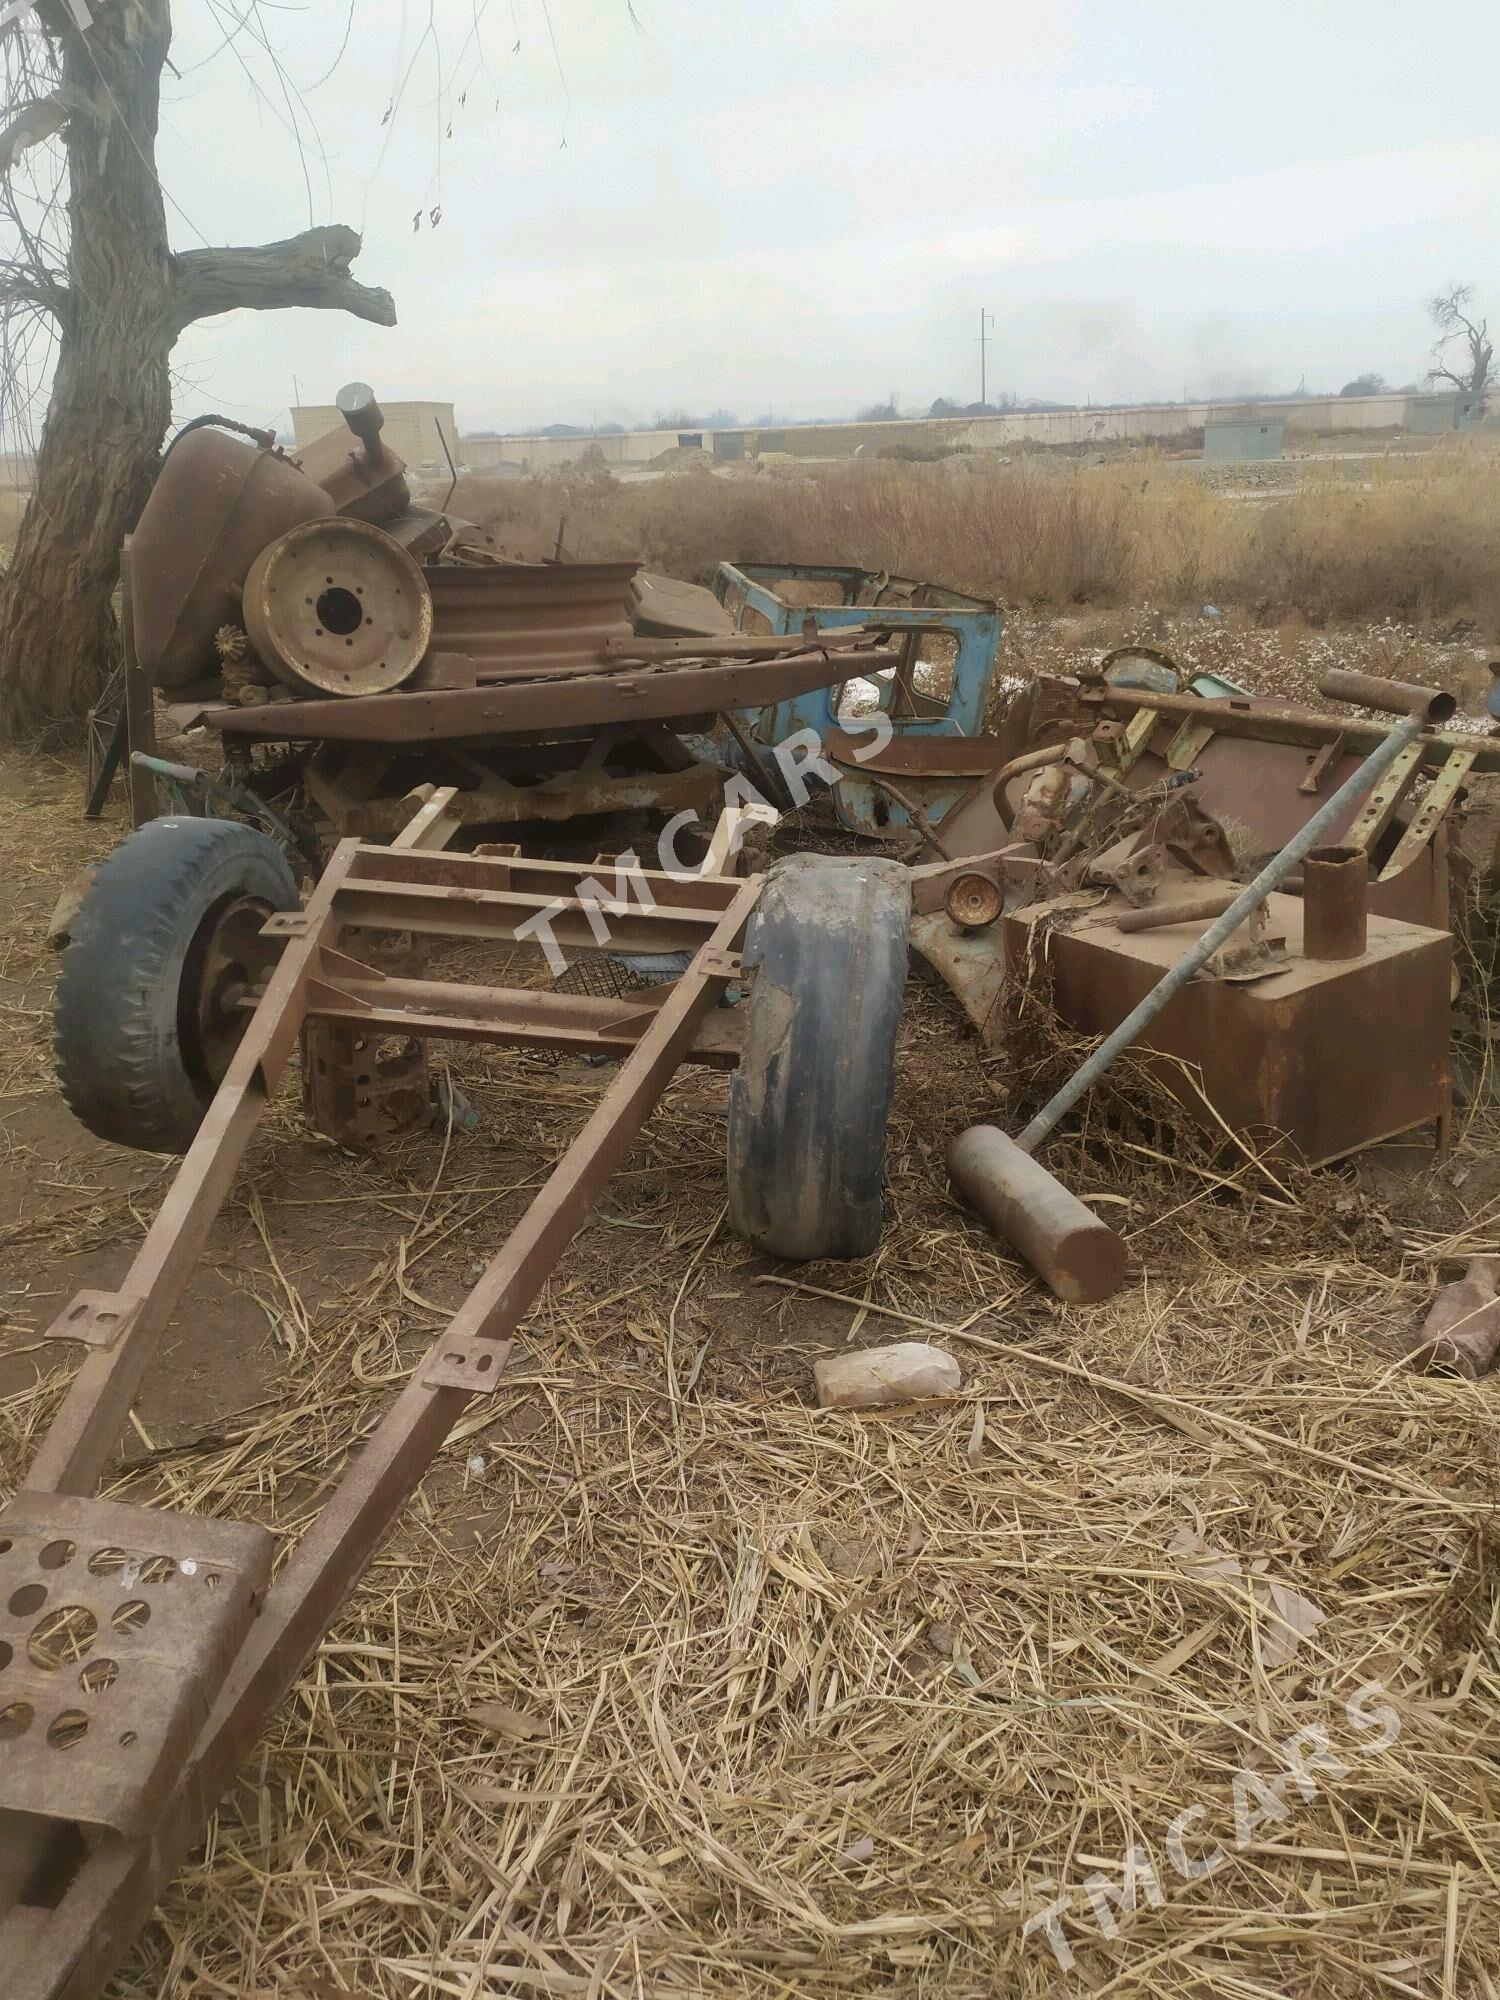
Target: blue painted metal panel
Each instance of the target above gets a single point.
(748, 592)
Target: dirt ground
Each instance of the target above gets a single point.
(792, 1703)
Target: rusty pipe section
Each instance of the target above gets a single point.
(1182, 910)
(1335, 903)
(1081, 1258)
(364, 416)
(1029, 760)
(1386, 697)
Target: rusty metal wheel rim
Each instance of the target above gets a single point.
(338, 608)
(228, 960)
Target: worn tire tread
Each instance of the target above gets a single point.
(809, 1101)
(115, 1046)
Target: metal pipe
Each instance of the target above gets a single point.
(1335, 903)
(1389, 697)
(1250, 898)
(1156, 916)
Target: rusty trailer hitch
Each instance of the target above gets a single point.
(142, 1650)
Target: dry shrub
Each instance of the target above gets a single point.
(1399, 538)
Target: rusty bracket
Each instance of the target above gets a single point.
(1429, 815)
(288, 924)
(1318, 768)
(1380, 808)
(475, 1365)
(724, 965)
(1133, 866)
(1188, 745)
(97, 1319)
(1138, 733)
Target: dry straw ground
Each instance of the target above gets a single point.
(670, 1685)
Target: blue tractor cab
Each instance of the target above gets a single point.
(937, 686)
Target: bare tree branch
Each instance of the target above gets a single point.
(34, 122)
(307, 270)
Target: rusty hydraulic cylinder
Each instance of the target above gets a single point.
(1335, 903)
(1080, 1257)
(1386, 697)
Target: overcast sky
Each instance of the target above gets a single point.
(801, 205)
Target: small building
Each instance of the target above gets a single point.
(1243, 437)
(1450, 410)
(411, 429)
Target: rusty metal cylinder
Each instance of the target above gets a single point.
(1180, 910)
(1080, 1258)
(1335, 903)
(1386, 697)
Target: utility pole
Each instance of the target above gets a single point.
(986, 321)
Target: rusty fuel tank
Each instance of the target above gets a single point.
(216, 504)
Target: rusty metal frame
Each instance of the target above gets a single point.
(71, 1903)
(609, 691)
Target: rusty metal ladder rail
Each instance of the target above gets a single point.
(66, 1952)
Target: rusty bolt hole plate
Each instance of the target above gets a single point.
(117, 1627)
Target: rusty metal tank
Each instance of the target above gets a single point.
(216, 504)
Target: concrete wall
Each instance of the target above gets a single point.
(411, 429)
(1057, 428)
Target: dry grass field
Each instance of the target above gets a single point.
(1411, 537)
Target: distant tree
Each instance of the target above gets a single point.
(676, 420)
(945, 406)
(1365, 385)
(878, 413)
(721, 420)
(1463, 352)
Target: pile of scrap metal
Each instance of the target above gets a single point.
(302, 599)
(1126, 814)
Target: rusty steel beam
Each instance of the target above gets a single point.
(1282, 722)
(502, 914)
(463, 715)
(574, 1023)
(76, 1448)
(710, 895)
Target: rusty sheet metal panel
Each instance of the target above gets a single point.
(1330, 1055)
(214, 507)
(530, 618)
(119, 1626)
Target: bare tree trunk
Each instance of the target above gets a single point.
(126, 299)
(111, 397)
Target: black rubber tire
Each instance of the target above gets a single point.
(809, 1101)
(117, 1018)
